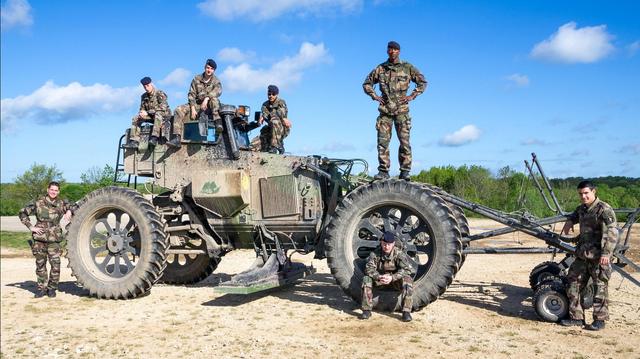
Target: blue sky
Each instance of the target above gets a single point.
(506, 78)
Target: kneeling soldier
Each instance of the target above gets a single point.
(388, 266)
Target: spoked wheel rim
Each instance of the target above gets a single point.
(413, 232)
(179, 262)
(113, 243)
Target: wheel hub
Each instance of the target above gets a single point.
(115, 243)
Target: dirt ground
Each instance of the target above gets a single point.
(486, 312)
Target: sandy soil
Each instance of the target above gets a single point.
(486, 312)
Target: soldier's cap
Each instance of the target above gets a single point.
(273, 89)
(388, 237)
(145, 80)
(212, 63)
(393, 45)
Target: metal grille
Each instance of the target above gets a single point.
(279, 197)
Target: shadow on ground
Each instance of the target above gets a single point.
(318, 289)
(68, 287)
(501, 298)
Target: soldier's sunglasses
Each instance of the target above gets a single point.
(271, 94)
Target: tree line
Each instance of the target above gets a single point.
(507, 190)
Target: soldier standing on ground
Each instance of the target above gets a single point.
(275, 112)
(204, 95)
(595, 246)
(153, 108)
(388, 266)
(394, 77)
(47, 235)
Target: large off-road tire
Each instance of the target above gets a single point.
(550, 302)
(189, 268)
(116, 244)
(541, 271)
(428, 231)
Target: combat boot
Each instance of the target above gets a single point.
(273, 150)
(153, 140)
(382, 175)
(366, 314)
(175, 142)
(40, 293)
(596, 325)
(132, 144)
(406, 317)
(572, 322)
(51, 293)
(404, 175)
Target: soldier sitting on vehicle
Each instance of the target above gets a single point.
(388, 266)
(274, 112)
(155, 109)
(204, 95)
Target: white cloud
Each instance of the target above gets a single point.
(518, 80)
(235, 55)
(177, 77)
(55, 104)
(575, 45)
(259, 10)
(15, 13)
(463, 136)
(283, 73)
(633, 48)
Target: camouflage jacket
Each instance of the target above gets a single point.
(200, 89)
(598, 231)
(155, 102)
(396, 263)
(48, 215)
(274, 111)
(394, 80)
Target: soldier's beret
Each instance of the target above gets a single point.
(393, 45)
(212, 63)
(145, 80)
(389, 237)
(273, 89)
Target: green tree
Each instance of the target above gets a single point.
(96, 177)
(33, 182)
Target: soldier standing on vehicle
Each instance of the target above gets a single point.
(204, 95)
(153, 108)
(595, 246)
(394, 77)
(275, 112)
(388, 266)
(47, 235)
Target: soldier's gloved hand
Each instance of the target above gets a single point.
(286, 122)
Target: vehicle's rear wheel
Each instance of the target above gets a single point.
(426, 227)
(189, 268)
(116, 244)
(541, 271)
(550, 302)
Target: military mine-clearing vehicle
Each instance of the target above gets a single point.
(220, 196)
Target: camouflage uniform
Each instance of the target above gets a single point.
(396, 263)
(157, 108)
(199, 90)
(598, 238)
(273, 134)
(394, 80)
(46, 245)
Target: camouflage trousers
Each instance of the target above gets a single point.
(182, 114)
(404, 285)
(43, 251)
(161, 125)
(384, 125)
(578, 276)
(271, 136)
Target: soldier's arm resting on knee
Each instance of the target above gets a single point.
(371, 268)
(609, 235)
